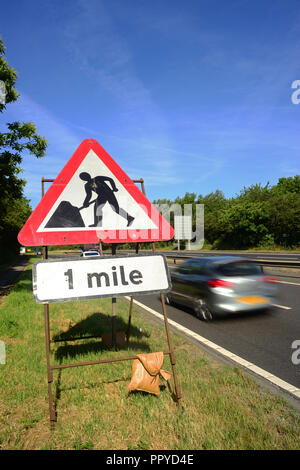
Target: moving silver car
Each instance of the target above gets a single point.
(218, 285)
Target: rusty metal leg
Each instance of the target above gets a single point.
(47, 340)
(172, 356)
(113, 323)
(114, 314)
(49, 371)
(129, 320)
(131, 305)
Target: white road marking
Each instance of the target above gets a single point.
(285, 282)
(291, 389)
(282, 306)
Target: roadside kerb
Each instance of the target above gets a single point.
(291, 390)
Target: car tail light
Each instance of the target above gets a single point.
(219, 283)
(269, 279)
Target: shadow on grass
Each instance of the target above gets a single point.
(94, 326)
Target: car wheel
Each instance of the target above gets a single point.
(202, 311)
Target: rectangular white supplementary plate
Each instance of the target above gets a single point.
(108, 276)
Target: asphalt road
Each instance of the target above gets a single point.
(11, 275)
(264, 339)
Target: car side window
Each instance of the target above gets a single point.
(191, 267)
(185, 268)
(197, 268)
(239, 268)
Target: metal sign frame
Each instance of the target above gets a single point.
(48, 341)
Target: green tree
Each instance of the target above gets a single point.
(18, 138)
(188, 198)
(284, 219)
(255, 193)
(242, 225)
(284, 211)
(214, 204)
(287, 185)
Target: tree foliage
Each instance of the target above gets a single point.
(18, 138)
(259, 216)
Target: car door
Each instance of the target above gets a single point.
(180, 284)
(196, 285)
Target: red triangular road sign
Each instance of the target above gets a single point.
(92, 199)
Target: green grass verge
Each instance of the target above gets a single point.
(224, 408)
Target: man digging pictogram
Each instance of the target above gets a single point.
(105, 193)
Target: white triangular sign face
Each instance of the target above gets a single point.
(92, 199)
(110, 205)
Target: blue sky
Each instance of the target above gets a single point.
(192, 96)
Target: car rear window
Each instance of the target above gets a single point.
(239, 268)
(193, 267)
(93, 253)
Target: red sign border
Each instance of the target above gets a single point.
(28, 236)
